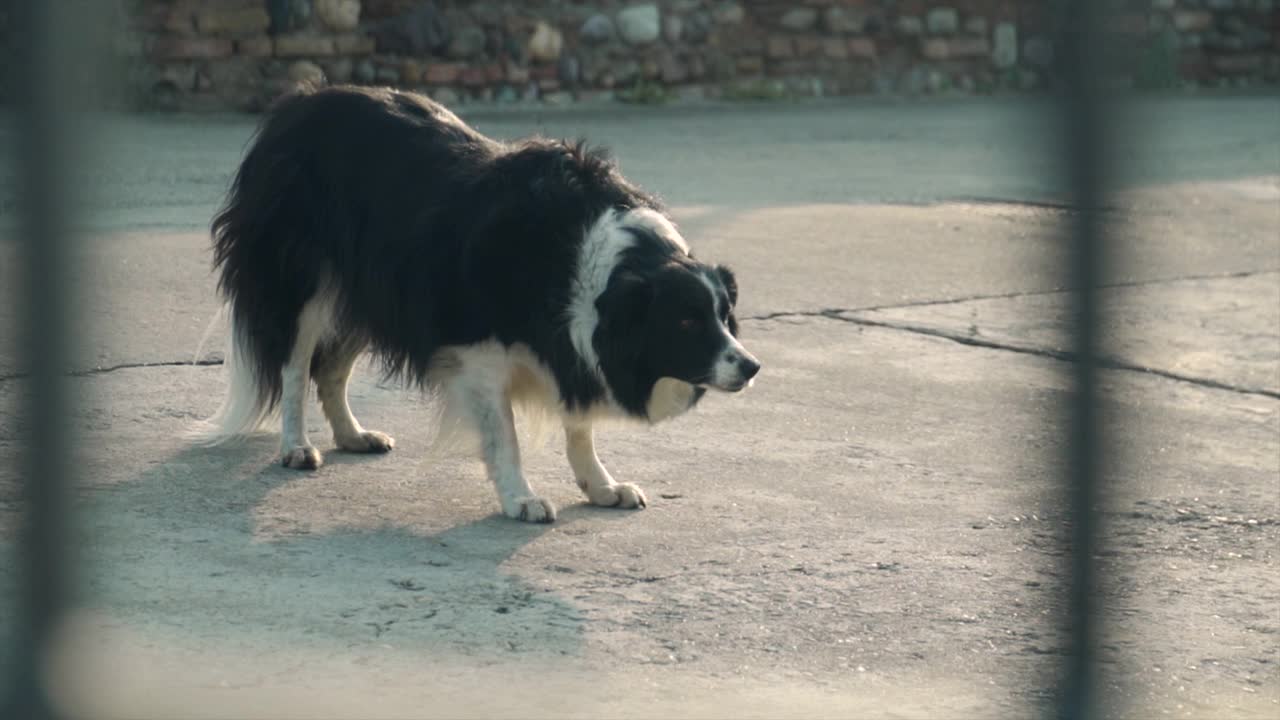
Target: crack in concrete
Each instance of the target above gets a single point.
(843, 315)
(1008, 295)
(1055, 205)
(1108, 363)
(122, 366)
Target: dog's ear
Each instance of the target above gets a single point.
(730, 283)
(625, 301)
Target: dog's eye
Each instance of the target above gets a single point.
(689, 324)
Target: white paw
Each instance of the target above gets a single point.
(529, 509)
(369, 441)
(304, 457)
(619, 495)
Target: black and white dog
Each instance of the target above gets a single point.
(489, 272)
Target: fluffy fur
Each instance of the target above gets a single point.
(488, 272)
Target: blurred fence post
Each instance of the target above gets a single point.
(1082, 63)
(46, 37)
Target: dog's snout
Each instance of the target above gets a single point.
(748, 366)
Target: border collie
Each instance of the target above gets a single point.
(487, 272)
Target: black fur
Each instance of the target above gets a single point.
(435, 235)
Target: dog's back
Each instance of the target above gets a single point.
(325, 168)
(394, 219)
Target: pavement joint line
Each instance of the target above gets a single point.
(1108, 363)
(122, 366)
(1056, 205)
(1105, 362)
(1008, 295)
(843, 314)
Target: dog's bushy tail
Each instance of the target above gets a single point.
(266, 270)
(245, 408)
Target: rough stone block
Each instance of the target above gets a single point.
(517, 74)
(967, 47)
(935, 48)
(340, 70)
(673, 71)
(256, 46)
(843, 20)
(233, 20)
(354, 44)
(388, 75)
(799, 19)
(780, 46)
(1237, 64)
(640, 24)
(177, 48)
(862, 48)
(305, 45)
(411, 71)
(342, 15)
(1192, 20)
(439, 73)
(728, 13)
(181, 17)
(942, 21)
(808, 46)
(910, 25)
(306, 72)
(1004, 54)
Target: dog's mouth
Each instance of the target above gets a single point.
(730, 388)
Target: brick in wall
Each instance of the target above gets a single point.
(186, 48)
(245, 20)
(304, 46)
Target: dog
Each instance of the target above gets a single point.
(486, 272)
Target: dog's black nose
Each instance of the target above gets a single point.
(748, 366)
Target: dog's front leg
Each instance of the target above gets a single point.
(491, 413)
(591, 474)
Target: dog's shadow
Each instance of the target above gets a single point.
(182, 545)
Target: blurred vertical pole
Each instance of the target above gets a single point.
(1081, 67)
(43, 75)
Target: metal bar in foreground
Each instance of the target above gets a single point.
(1084, 123)
(46, 55)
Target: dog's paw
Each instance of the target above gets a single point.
(305, 457)
(529, 509)
(620, 495)
(369, 441)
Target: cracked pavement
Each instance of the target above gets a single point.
(874, 530)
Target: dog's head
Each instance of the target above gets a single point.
(676, 322)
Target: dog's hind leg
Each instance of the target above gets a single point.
(591, 475)
(332, 371)
(481, 397)
(296, 451)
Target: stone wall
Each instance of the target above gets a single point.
(237, 54)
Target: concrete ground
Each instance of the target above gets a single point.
(874, 530)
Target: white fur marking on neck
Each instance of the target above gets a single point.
(601, 249)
